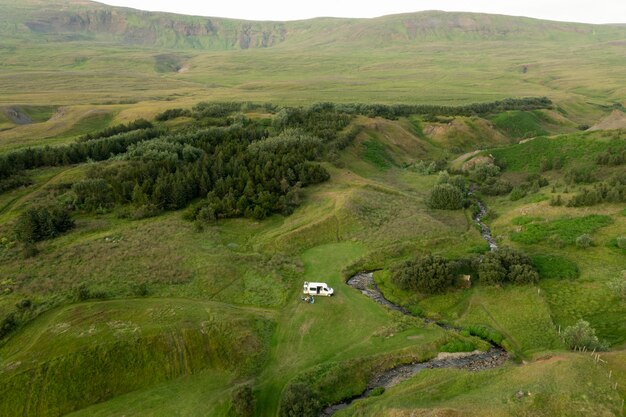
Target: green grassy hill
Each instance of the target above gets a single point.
(177, 291)
(131, 59)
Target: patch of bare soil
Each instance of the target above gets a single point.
(615, 120)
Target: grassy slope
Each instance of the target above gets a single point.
(372, 201)
(559, 384)
(125, 346)
(425, 57)
(263, 264)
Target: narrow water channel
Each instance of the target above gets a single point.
(473, 361)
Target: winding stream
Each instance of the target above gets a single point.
(473, 361)
(484, 229)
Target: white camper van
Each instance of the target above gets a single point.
(317, 288)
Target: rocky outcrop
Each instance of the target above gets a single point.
(159, 29)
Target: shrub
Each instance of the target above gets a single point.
(582, 335)
(427, 274)
(522, 274)
(517, 193)
(491, 270)
(580, 175)
(445, 197)
(299, 400)
(496, 187)
(7, 325)
(556, 201)
(507, 265)
(243, 402)
(482, 172)
(377, 391)
(583, 241)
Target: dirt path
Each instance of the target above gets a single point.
(472, 361)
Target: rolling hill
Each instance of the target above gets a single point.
(155, 267)
(80, 52)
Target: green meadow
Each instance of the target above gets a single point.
(176, 310)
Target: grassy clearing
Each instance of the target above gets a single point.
(335, 329)
(555, 267)
(572, 150)
(519, 124)
(565, 230)
(557, 384)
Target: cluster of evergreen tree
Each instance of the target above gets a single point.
(14, 181)
(611, 191)
(116, 130)
(43, 222)
(613, 156)
(237, 169)
(13, 162)
(404, 110)
(323, 120)
(315, 117)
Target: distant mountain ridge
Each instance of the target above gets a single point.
(79, 20)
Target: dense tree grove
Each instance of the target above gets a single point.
(403, 110)
(13, 162)
(425, 274)
(507, 265)
(236, 169)
(117, 129)
(40, 223)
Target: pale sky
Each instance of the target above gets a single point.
(589, 11)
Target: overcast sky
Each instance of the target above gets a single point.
(590, 11)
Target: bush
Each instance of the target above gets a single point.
(243, 402)
(445, 197)
(482, 172)
(582, 335)
(8, 325)
(377, 391)
(584, 241)
(517, 193)
(522, 274)
(299, 400)
(507, 265)
(427, 274)
(496, 187)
